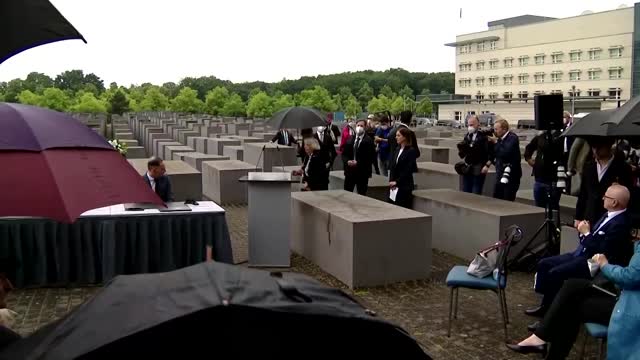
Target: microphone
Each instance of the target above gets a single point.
(260, 157)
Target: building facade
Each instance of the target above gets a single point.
(587, 58)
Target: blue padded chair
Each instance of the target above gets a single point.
(458, 278)
(599, 332)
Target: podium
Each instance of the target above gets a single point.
(269, 197)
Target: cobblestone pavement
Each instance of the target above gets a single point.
(420, 307)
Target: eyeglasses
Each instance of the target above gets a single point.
(607, 197)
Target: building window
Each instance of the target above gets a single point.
(575, 93)
(480, 46)
(523, 79)
(508, 95)
(461, 67)
(493, 81)
(508, 79)
(465, 49)
(594, 54)
(508, 62)
(539, 59)
(493, 64)
(539, 78)
(457, 115)
(615, 73)
(615, 52)
(523, 60)
(465, 83)
(479, 81)
(574, 75)
(493, 95)
(465, 67)
(575, 55)
(556, 76)
(594, 92)
(493, 45)
(523, 94)
(538, 92)
(556, 58)
(480, 96)
(615, 93)
(594, 74)
(556, 92)
(480, 65)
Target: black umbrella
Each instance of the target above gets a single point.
(593, 125)
(626, 119)
(297, 117)
(25, 24)
(220, 310)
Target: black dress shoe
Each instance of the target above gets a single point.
(536, 312)
(537, 349)
(533, 327)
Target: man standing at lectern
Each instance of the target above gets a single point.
(157, 180)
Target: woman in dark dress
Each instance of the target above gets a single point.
(314, 172)
(402, 165)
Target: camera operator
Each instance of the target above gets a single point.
(506, 157)
(474, 150)
(548, 149)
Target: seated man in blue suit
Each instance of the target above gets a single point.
(157, 179)
(609, 236)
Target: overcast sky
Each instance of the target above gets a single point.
(136, 41)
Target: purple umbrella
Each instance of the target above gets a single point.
(30, 128)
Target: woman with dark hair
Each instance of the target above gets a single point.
(581, 301)
(315, 175)
(402, 165)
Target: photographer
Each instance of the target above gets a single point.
(474, 150)
(506, 157)
(547, 147)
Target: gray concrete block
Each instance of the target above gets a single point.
(233, 128)
(569, 240)
(263, 135)
(183, 135)
(527, 180)
(436, 154)
(273, 155)
(154, 138)
(124, 136)
(567, 204)
(443, 176)
(356, 238)
(136, 152)
(212, 131)
(440, 133)
(465, 223)
(186, 182)
(245, 139)
(129, 143)
(216, 146)
(220, 181)
(199, 143)
(378, 185)
(234, 152)
(195, 159)
(161, 144)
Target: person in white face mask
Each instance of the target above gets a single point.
(474, 152)
(347, 132)
(327, 150)
(358, 157)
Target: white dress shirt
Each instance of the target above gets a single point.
(610, 216)
(603, 169)
(152, 181)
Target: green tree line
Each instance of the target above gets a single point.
(393, 90)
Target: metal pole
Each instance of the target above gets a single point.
(573, 100)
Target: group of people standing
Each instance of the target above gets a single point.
(367, 146)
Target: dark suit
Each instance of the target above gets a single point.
(335, 130)
(365, 154)
(315, 173)
(475, 152)
(401, 171)
(327, 147)
(163, 187)
(393, 144)
(506, 152)
(280, 139)
(590, 206)
(611, 239)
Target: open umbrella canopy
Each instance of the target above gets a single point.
(61, 184)
(593, 125)
(222, 311)
(31, 128)
(626, 119)
(25, 24)
(297, 117)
